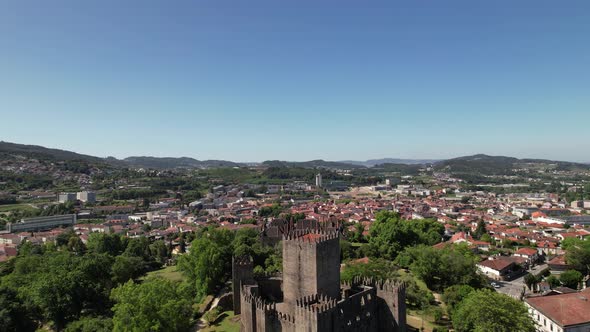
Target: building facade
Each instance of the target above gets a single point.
(561, 313)
(41, 223)
(66, 197)
(318, 180)
(86, 196)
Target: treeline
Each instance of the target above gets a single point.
(24, 181)
(76, 287)
(71, 286)
(135, 194)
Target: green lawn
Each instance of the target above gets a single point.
(226, 322)
(15, 207)
(169, 272)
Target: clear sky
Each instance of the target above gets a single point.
(298, 80)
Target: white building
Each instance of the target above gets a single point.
(66, 197)
(561, 313)
(86, 196)
(318, 180)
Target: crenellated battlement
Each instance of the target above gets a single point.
(286, 318)
(264, 305)
(381, 285)
(316, 303)
(311, 236)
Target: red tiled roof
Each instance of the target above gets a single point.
(311, 236)
(558, 260)
(565, 309)
(496, 264)
(526, 251)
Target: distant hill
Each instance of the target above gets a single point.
(40, 152)
(501, 165)
(181, 162)
(480, 164)
(8, 150)
(374, 162)
(311, 164)
(404, 169)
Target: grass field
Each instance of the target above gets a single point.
(15, 207)
(417, 319)
(226, 322)
(169, 272)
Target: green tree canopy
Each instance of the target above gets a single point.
(485, 310)
(154, 305)
(111, 244)
(209, 260)
(442, 268)
(577, 254)
(390, 235)
(377, 268)
(571, 278)
(91, 324)
(455, 294)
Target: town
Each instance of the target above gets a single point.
(294, 166)
(523, 231)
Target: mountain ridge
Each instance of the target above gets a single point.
(478, 162)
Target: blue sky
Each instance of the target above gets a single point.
(298, 80)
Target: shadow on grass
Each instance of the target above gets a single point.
(219, 319)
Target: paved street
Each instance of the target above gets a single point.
(514, 287)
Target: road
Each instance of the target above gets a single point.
(514, 287)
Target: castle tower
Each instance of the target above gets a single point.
(311, 265)
(242, 273)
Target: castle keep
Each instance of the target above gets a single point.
(309, 296)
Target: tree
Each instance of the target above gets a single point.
(531, 281)
(486, 310)
(390, 235)
(553, 281)
(154, 305)
(357, 235)
(571, 279)
(480, 230)
(455, 294)
(209, 261)
(111, 244)
(139, 247)
(13, 313)
(486, 238)
(76, 245)
(126, 268)
(442, 268)
(159, 251)
(577, 254)
(375, 268)
(91, 324)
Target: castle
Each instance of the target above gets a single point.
(308, 295)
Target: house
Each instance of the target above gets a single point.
(558, 264)
(532, 255)
(568, 312)
(499, 268)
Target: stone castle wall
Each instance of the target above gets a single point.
(308, 265)
(367, 309)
